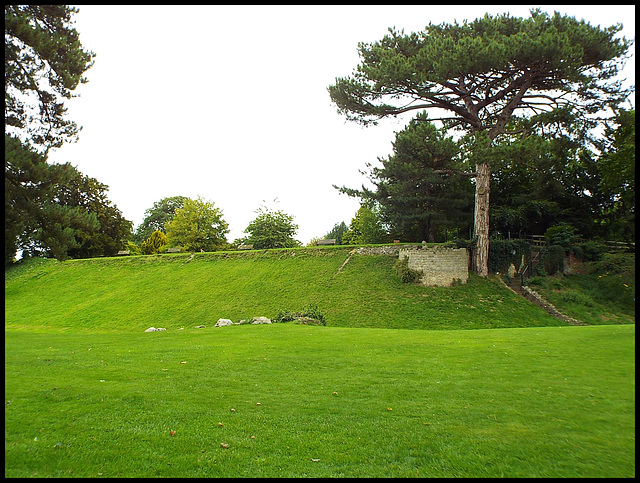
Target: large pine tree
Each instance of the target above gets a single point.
(482, 73)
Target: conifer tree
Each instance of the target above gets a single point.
(421, 188)
(44, 63)
(152, 244)
(480, 75)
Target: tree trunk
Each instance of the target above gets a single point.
(481, 221)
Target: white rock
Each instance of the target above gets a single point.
(260, 320)
(151, 329)
(223, 322)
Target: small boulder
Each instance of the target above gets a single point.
(223, 322)
(153, 329)
(260, 320)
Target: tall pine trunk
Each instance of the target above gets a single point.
(481, 220)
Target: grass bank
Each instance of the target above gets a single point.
(603, 292)
(173, 291)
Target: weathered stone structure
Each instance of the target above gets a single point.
(439, 265)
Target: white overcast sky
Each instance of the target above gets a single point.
(230, 103)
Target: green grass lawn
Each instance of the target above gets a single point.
(321, 402)
(382, 391)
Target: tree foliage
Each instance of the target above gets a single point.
(337, 232)
(366, 227)
(419, 188)
(157, 216)
(480, 75)
(44, 63)
(547, 176)
(617, 167)
(197, 226)
(91, 196)
(54, 210)
(152, 244)
(271, 229)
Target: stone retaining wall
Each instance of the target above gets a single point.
(439, 265)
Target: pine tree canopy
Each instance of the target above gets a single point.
(481, 72)
(44, 63)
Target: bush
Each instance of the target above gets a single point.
(311, 311)
(460, 243)
(563, 235)
(553, 259)
(591, 251)
(153, 244)
(503, 253)
(133, 248)
(578, 298)
(406, 274)
(616, 262)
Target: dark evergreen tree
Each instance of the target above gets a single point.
(34, 222)
(420, 188)
(44, 63)
(337, 232)
(91, 196)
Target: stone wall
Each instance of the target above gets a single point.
(439, 265)
(384, 250)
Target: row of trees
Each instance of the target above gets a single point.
(198, 225)
(53, 210)
(522, 99)
(422, 192)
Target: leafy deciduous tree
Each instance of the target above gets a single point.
(197, 226)
(157, 216)
(366, 227)
(271, 229)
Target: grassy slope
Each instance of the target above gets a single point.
(87, 393)
(603, 293)
(172, 291)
